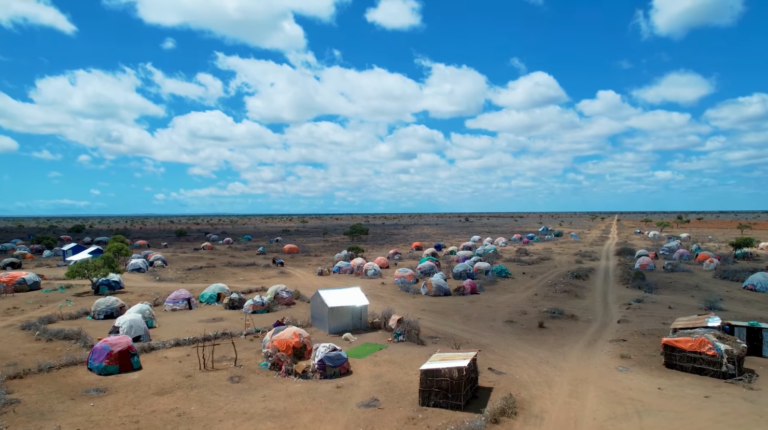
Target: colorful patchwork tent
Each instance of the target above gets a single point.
(141, 244)
(431, 252)
(214, 294)
(108, 308)
(641, 253)
(405, 276)
(10, 264)
(482, 267)
(427, 269)
(682, 254)
(343, 268)
(206, 247)
(469, 287)
(394, 254)
(37, 249)
(463, 271)
(286, 345)
(452, 250)
(329, 361)
(227, 241)
(65, 239)
(21, 282)
(500, 241)
(500, 271)
(180, 300)
(644, 263)
(432, 260)
(435, 287)
(467, 246)
(114, 355)
(291, 249)
(111, 282)
(23, 255)
(371, 271)
(417, 246)
(711, 264)
(257, 305)
(382, 262)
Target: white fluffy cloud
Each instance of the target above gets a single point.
(207, 89)
(607, 104)
(395, 14)
(743, 113)
(8, 145)
(84, 158)
(54, 175)
(683, 87)
(95, 192)
(676, 18)
(268, 24)
(168, 43)
(519, 65)
(40, 13)
(530, 91)
(46, 155)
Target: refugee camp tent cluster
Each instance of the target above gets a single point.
(117, 353)
(140, 263)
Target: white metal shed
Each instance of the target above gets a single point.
(339, 310)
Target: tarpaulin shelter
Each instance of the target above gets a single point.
(452, 250)
(463, 256)
(695, 248)
(557, 233)
(274, 290)
(382, 262)
(470, 287)
(180, 300)
(500, 271)
(343, 268)
(10, 264)
(286, 345)
(329, 361)
(133, 326)
(449, 380)
(641, 253)
(394, 254)
(358, 262)
(742, 254)
(23, 255)
(654, 234)
(214, 294)
(704, 351)
(432, 260)
(757, 282)
(435, 287)
(37, 249)
(111, 282)
(530, 236)
(234, 302)
(486, 250)
(339, 310)
(431, 252)
(261, 251)
(685, 236)
(5, 247)
(257, 305)
(159, 260)
(137, 266)
(141, 244)
(48, 254)
(291, 249)
(144, 309)
(227, 241)
(475, 239)
(644, 263)
(703, 256)
(417, 246)
(342, 256)
(763, 246)
(21, 282)
(206, 246)
(247, 238)
(213, 238)
(427, 269)
(482, 267)
(711, 264)
(108, 308)
(439, 246)
(114, 355)
(65, 239)
(463, 271)
(526, 241)
(87, 241)
(467, 246)
(405, 276)
(682, 254)
(500, 241)
(22, 248)
(371, 271)
(516, 237)
(488, 241)
(101, 241)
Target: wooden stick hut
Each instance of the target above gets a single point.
(706, 352)
(449, 379)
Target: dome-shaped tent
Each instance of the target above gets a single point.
(146, 312)
(343, 268)
(557, 233)
(133, 326)
(682, 254)
(22, 282)
(394, 254)
(261, 251)
(757, 282)
(11, 264)
(417, 246)
(475, 239)
(329, 361)
(23, 255)
(704, 256)
(500, 241)
(405, 276)
(371, 271)
(48, 254)
(427, 269)
(342, 256)
(469, 287)
(108, 308)
(158, 260)
(516, 237)
(357, 264)
(37, 249)
(685, 236)
(711, 264)
(463, 256)
(141, 244)
(763, 246)
(114, 355)
(382, 262)
(274, 290)
(488, 241)
(439, 246)
(22, 248)
(467, 246)
(137, 266)
(286, 345)
(227, 241)
(644, 263)
(695, 248)
(257, 305)
(247, 238)
(234, 302)
(500, 271)
(435, 287)
(214, 294)
(654, 234)
(452, 250)
(291, 249)
(87, 241)
(433, 260)
(111, 282)
(526, 241)
(431, 252)
(482, 267)
(101, 241)
(5, 247)
(213, 238)
(206, 246)
(180, 300)
(65, 239)
(641, 253)
(16, 241)
(463, 271)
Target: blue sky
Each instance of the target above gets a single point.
(322, 106)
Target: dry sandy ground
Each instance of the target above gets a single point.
(564, 376)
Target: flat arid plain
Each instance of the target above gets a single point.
(592, 363)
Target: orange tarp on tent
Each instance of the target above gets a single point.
(417, 246)
(291, 249)
(382, 262)
(289, 339)
(699, 344)
(702, 257)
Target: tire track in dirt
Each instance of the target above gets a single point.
(571, 405)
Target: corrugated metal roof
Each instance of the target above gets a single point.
(446, 360)
(745, 324)
(697, 321)
(83, 255)
(348, 296)
(70, 246)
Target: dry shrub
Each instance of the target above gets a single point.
(300, 323)
(735, 275)
(476, 423)
(371, 403)
(261, 289)
(53, 318)
(521, 252)
(528, 261)
(625, 251)
(580, 274)
(712, 303)
(5, 399)
(505, 407)
(588, 255)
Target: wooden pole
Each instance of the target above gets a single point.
(232, 339)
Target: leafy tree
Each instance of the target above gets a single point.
(46, 240)
(94, 268)
(743, 242)
(118, 250)
(356, 231)
(119, 239)
(662, 225)
(180, 232)
(77, 228)
(742, 227)
(356, 249)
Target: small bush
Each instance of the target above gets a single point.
(542, 325)
(625, 251)
(589, 255)
(580, 274)
(371, 403)
(180, 232)
(735, 275)
(712, 303)
(356, 249)
(300, 323)
(505, 407)
(625, 356)
(77, 229)
(521, 252)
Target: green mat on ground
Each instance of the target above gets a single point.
(364, 350)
